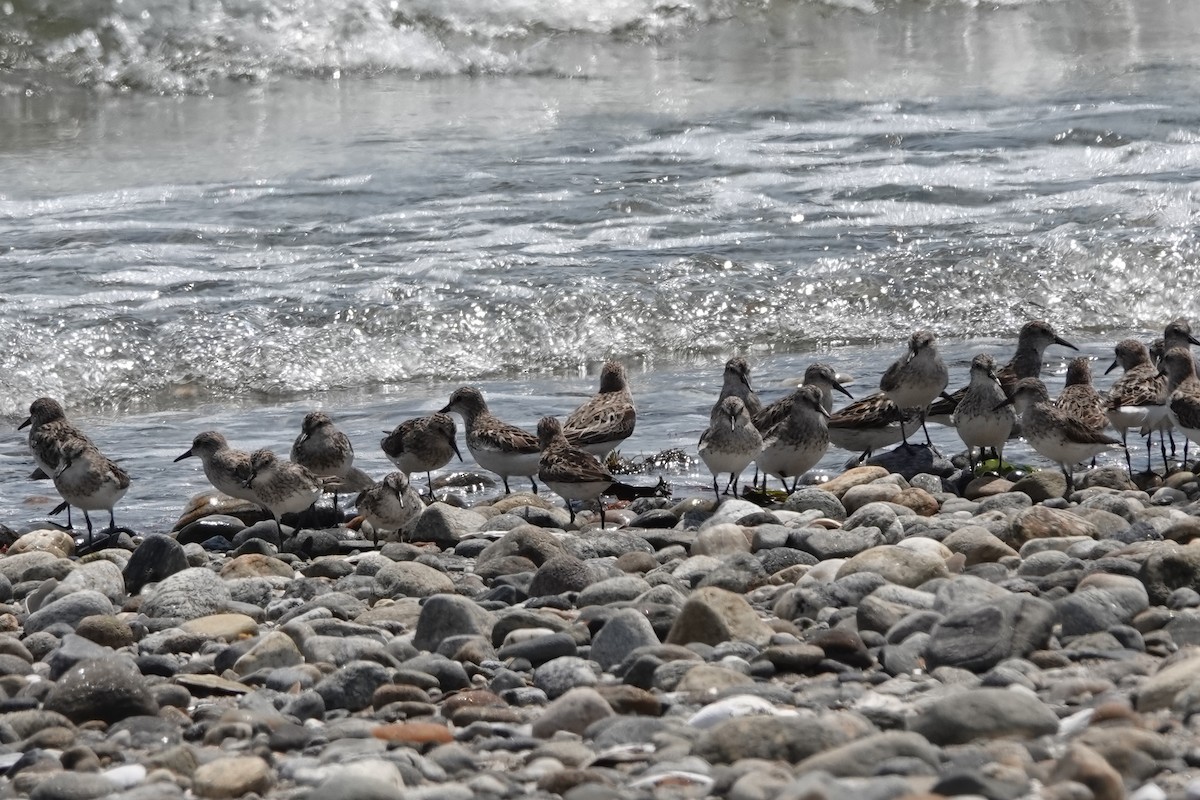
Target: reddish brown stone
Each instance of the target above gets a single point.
(414, 733)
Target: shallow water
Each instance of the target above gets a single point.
(227, 214)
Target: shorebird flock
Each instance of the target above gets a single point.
(1158, 392)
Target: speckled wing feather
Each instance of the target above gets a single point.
(1186, 408)
(568, 464)
(490, 433)
(605, 418)
(1140, 386)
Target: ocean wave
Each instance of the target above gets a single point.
(167, 46)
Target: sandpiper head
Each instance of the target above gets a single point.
(737, 371)
(921, 340)
(443, 425)
(467, 401)
(612, 377)
(397, 482)
(1129, 354)
(984, 364)
(262, 460)
(548, 429)
(1178, 333)
(313, 421)
(1039, 335)
(1177, 364)
(808, 398)
(43, 410)
(1079, 371)
(822, 375)
(731, 409)
(205, 444)
(1026, 392)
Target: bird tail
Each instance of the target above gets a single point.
(626, 491)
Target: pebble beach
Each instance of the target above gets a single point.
(876, 636)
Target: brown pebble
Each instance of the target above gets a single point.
(563, 780)
(626, 699)
(473, 697)
(414, 733)
(398, 692)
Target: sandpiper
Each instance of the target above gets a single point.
(1178, 333)
(730, 442)
(917, 378)
(226, 469)
(1183, 403)
(982, 419)
(736, 383)
(1138, 398)
(795, 445)
(1079, 398)
(281, 487)
(323, 449)
(422, 444)
(868, 424)
(608, 418)
(497, 446)
(570, 472)
(390, 505)
(821, 376)
(50, 432)
(89, 481)
(1053, 432)
(1032, 341)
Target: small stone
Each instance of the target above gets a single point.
(446, 615)
(559, 575)
(855, 476)
(445, 525)
(222, 627)
(107, 690)
(1042, 485)
(625, 631)
(983, 713)
(256, 565)
(106, 630)
(68, 611)
(713, 615)
(233, 777)
(411, 579)
(811, 498)
(978, 545)
(273, 651)
(192, 593)
(573, 713)
(898, 565)
(73, 786)
(1084, 765)
(414, 733)
(57, 543)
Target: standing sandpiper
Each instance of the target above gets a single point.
(730, 442)
(422, 444)
(282, 487)
(1053, 432)
(795, 445)
(1138, 398)
(390, 505)
(982, 418)
(608, 418)
(497, 446)
(89, 481)
(915, 379)
(323, 450)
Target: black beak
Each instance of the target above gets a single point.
(188, 454)
(842, 389)
(1192, 339)
(454, 444)
(1111, 367)
(1064, 342)
(822, 411)
(445, 409)
(28, 421)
